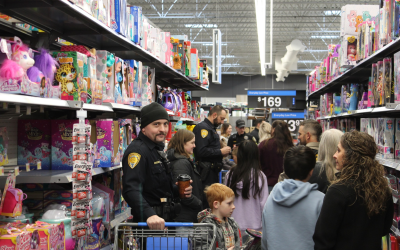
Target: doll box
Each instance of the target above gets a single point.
(136, 11)
(16, 240)
(3, 146)
(34, 142)
(61, 144)
(353, 15)
(120, 17)
(106, 134)
(397, 139)
(348, 51)
(69, 74)
(51, 236)
(110, 195)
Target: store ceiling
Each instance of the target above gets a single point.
(315, 23)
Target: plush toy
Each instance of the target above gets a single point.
(16, 68)
(44, 68)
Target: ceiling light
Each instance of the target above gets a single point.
(325, 37)
(260, 15)
(199, 26)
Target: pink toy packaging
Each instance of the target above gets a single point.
(51, 236)
(34, 142)
(16, 239)
(61, 144)
(13, 72)
(106, 134)
(397, 139)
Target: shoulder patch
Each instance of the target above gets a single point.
(204, 133)
(133, 160)
(246, 137)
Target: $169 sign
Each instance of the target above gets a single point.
(270, 101)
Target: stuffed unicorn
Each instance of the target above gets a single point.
(16, 68)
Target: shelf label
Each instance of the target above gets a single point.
(27, 167)
(271, 98)
(293, 119)
(16, 171)
(39, 165)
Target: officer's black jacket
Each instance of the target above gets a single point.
(208, 147)
(145, 179)
(236, 139)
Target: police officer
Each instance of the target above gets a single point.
(208, 152)
(240, 136)
(147, 181)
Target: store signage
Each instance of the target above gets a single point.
(271, 98)
(293, 119)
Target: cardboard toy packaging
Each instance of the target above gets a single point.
(388, 138)
(61, 144)
(52, 236)
(106, 134)
(348, 57)
(4, 146)
(119, 80)
(16, 240)
(138, 24)
(105, 74)
(94, 87)
(353, 15)
(397, 139)
(120, 17)
(396, 67)
(69, 74)
(34, 143)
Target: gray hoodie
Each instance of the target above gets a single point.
(290, 215)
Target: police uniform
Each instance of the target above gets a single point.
(236, 139)
(146, 178)
(208, 150)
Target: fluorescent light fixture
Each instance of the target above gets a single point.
(326, 37)
(332, 12)
(227, 56)
(199, 26)
(316, 51)
(207, 44)
(260, 15)
(309, 61)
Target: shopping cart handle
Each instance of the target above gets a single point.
(170, 224)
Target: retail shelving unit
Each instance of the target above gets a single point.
(61, 18)
(120, 218)
(359, 73)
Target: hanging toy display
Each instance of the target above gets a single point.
(119, 80)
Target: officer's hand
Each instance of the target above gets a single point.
(156, 223)
(225, 151)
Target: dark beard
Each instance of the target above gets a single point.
(215, 122)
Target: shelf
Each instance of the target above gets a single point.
(359, 73)
(391, 163)
(120, 218)
(118, 106)
(67, 21)
(109, 247)
(361, 112)
(52, 176)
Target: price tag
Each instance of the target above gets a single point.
(271, 98)
(1, 171)
(39, 165)
(16, 171)
(27, 167)
(293, 119)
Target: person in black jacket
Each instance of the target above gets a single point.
(358, 207)
(179, 150)
(255, 132)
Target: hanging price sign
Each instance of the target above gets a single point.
(271, 98)
(292, 118)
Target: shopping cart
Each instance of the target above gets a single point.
(222, 176)
(188, 236)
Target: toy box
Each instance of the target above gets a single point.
(94, 87)
(353, 15)
(138, 24)
(86, 5)
(69, 75)
(110, 195)
(194, 64)
(118, 80)
(61, 144)
(129, 82)
(165, 42)
(388, 138)
(34, 142)
(348, 55)
(3, 146)
(101, 73)
(17, 240)
(387, 80)
(396, 67)
(138, 84)
(120, 17)
(51, 236)
(106, 134)
(397, 139)
(380, 88)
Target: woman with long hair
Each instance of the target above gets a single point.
(325, 168)
(358, 206)
(272, 151)
(249, 184)
(180, 148)
(265, 131)
(226, 130)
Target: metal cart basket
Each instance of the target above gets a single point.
(188, 236)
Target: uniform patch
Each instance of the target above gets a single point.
(133, 159)
(245, 137)
(204, 133)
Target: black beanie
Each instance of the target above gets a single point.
(152, 112)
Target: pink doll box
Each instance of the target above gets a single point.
(349, 51)
(397, 139)
(34, 142)
(16, 240)
(106, 133)
(388, 141)
(51, 236)
(110, 193)
(61, 144)
(353, 15)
